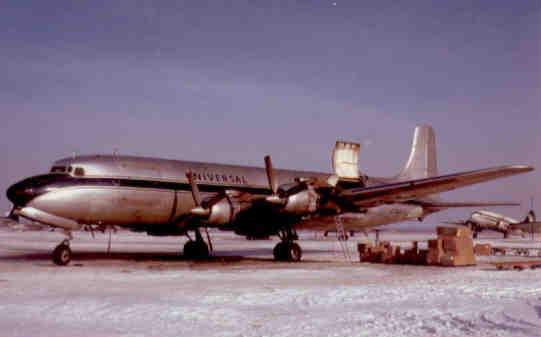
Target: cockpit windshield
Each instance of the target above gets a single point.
(58, 169)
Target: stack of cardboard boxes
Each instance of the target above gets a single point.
(483, 249)
(384, 252)
(453, 247)
(414, 255)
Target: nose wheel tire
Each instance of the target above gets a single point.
(287, 251)
(196, 250)
(62, 254)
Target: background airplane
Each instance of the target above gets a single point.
(486, 220)
(171, 197)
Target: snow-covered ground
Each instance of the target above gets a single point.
(143, 289)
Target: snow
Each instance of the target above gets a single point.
(143, 289)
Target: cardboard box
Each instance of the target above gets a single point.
(435, 251)
(460, 231)
(483, 249)
(362, 248)
(451, 260)
(435, 244)
(434, 257)
(458, 244)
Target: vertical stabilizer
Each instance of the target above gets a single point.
(530, 217)
(422, 160)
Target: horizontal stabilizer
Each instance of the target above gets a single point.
(527, 227)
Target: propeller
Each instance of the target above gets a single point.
(199, 210)
(302, 183)
(12, 215)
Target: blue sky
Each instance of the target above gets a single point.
(231, 81)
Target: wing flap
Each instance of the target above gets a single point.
(412, 189)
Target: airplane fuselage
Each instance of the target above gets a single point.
(492, 220)
(154, 193)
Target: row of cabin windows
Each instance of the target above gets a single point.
(77, 171)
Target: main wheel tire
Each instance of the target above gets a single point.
(280, 252)
(202, 251)
(294, 252)
(62, 254)
(195, 250)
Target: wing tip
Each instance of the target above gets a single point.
(520, 168)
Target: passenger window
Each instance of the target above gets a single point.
(79, 171)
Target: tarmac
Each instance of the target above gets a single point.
(143, 287)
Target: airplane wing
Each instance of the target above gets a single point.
(8, 224)
(418, 188)
(460, 204)
(460, 223)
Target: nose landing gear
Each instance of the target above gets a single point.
(62, 253)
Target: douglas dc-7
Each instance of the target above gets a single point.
(172, 197)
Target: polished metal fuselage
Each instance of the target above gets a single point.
(144, 192)
(492, 220)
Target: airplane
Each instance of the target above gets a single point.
(486, 220)
(173, 197)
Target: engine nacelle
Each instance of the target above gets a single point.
(303, 202)
(225, 210)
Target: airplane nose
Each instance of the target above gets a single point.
(21, 193)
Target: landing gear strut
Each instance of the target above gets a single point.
(62, 253)
(196, 249)
(473, 228)
(287, 249)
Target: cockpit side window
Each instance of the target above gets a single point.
(58, 169)
(79, 171)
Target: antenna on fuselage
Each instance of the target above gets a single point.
(533, 218)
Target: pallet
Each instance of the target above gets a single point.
(517, 265)
(515, 251)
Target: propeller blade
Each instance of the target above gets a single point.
(195, 190)
(270, 175)
(274, 198)
(12, 215)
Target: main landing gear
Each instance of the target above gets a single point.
(287, 249)
(196, 249)
(62, 253)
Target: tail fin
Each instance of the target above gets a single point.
(422, 160)
(530, 217)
